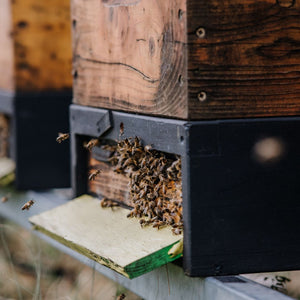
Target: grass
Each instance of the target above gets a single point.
(32, 269)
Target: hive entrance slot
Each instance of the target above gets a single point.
(137, 176)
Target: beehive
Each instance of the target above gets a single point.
(35, 87)
(188, 59)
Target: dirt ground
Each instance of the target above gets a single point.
(32, 269)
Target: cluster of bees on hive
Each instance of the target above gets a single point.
(155, 177)
(155, 181)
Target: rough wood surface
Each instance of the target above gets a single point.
(130, 55)
(108, 183)
(38, 45)
(4, 135)
(188, 59)
(6, 47)
(107, 236)
(248, 60)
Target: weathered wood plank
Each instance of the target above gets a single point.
(6, 49)
(246, 60)
(35, 50)
(108, 183)
(107, 236)
(42, 41)
(4, 135)
(130, 55)
(188, 59)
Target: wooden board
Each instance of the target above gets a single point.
(35, 52)
(7, 168)
(6, 49)
(130, 55)
(248, 61)
(107, 236)
(4, 135)
(108, 183)
(188, 59)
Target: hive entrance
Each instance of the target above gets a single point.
(147, 180)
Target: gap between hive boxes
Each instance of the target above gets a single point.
(108, 237)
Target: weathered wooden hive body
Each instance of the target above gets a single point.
(215, 83)
(35, 89)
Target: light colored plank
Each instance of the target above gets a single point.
(108, 236)
(7, 168)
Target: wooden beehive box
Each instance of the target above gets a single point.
(188, 59)
(35, 89)
(215, 83)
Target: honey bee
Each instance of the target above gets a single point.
(121, 297)
(121, 128)
(27, 205)
(62, 137)
(147, 148)
(108, 203)
(4, 199)
(94, 174)
(176, 231)
(158, 224)
(91, 144)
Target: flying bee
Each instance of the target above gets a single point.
(94, 174)
(27, 205)
(91, 144)
(121, 128)
(4, 198)
(62, 137)
(121, 297)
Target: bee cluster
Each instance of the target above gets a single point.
(155, 178)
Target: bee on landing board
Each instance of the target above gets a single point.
(27, 205)
(94, 174)
(62, 137)
(121, 297)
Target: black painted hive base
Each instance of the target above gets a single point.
(240, 185)
(36, 119)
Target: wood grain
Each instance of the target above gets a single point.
(107, 236)
(35, 50)
(108, 183)
(4, 135)
(248, 62)
(6, 48)
(130, 55)
(243, 57)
